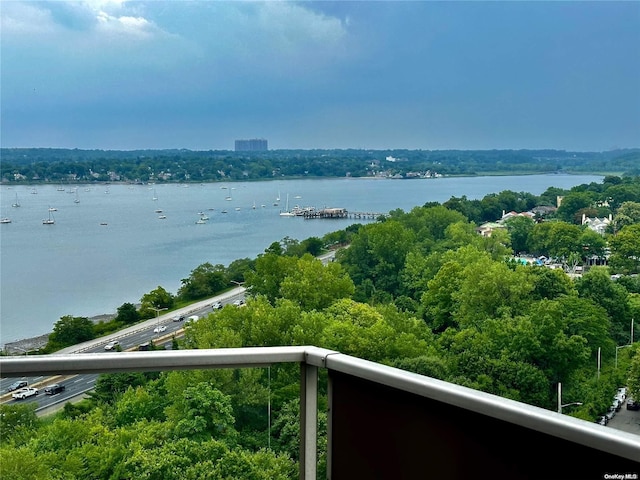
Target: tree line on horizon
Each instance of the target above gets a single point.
(41, 165)
(417, 290)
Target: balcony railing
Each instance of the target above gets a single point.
(388, 423)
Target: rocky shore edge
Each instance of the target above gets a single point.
(26, 345)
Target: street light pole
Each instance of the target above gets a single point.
(158, 310)
(560, 404)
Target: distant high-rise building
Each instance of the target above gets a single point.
(252, 145)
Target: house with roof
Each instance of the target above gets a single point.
(486, 229)
(598, 225)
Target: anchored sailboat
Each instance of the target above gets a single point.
(50, 220)
(287, 213)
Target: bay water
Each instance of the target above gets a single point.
(109, 246)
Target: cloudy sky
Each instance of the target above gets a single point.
(115, 74)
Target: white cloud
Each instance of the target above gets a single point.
(17, 18)
(125, 25)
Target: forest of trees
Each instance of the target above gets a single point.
(417, 290)
(43, 165)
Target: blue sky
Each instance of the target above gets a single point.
(114, 74)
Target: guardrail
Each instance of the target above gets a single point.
(140, 327)
(440, 427)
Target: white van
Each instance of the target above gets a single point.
(193, 318)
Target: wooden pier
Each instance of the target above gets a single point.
(339, 213)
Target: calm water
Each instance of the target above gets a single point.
(80, 267)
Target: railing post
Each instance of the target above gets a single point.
(308, 421)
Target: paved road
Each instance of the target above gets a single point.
(626, 420)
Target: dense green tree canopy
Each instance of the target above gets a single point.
(127, 314)
(315, 286)
(70, 330)
(156, 299)
(204, 281)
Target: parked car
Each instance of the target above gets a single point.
(610, 413)
(16, 385)
(111, 345)
(621, 394)
(54, 389)
(632, 404)
(616, 405)
(603, 420)
(25, 393)
(159, 329)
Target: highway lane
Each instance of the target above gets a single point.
(129, 339)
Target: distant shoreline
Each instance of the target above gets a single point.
(5, 183)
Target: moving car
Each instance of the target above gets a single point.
(177, 318)
(16, 385)
(216, 306)
(111, 345)
(159, 329)
(25, 393)
(54, 389)
(239, 302)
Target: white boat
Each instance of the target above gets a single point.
(155, 196)
(302, 211)
(76, 200)
(162, 217)
(286, 212)
(5, 220)
(16, 203)
(200, 221)
(53, 209)
(204, 217)
(50, 220)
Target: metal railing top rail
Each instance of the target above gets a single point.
(112, 362)
(572, 429)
